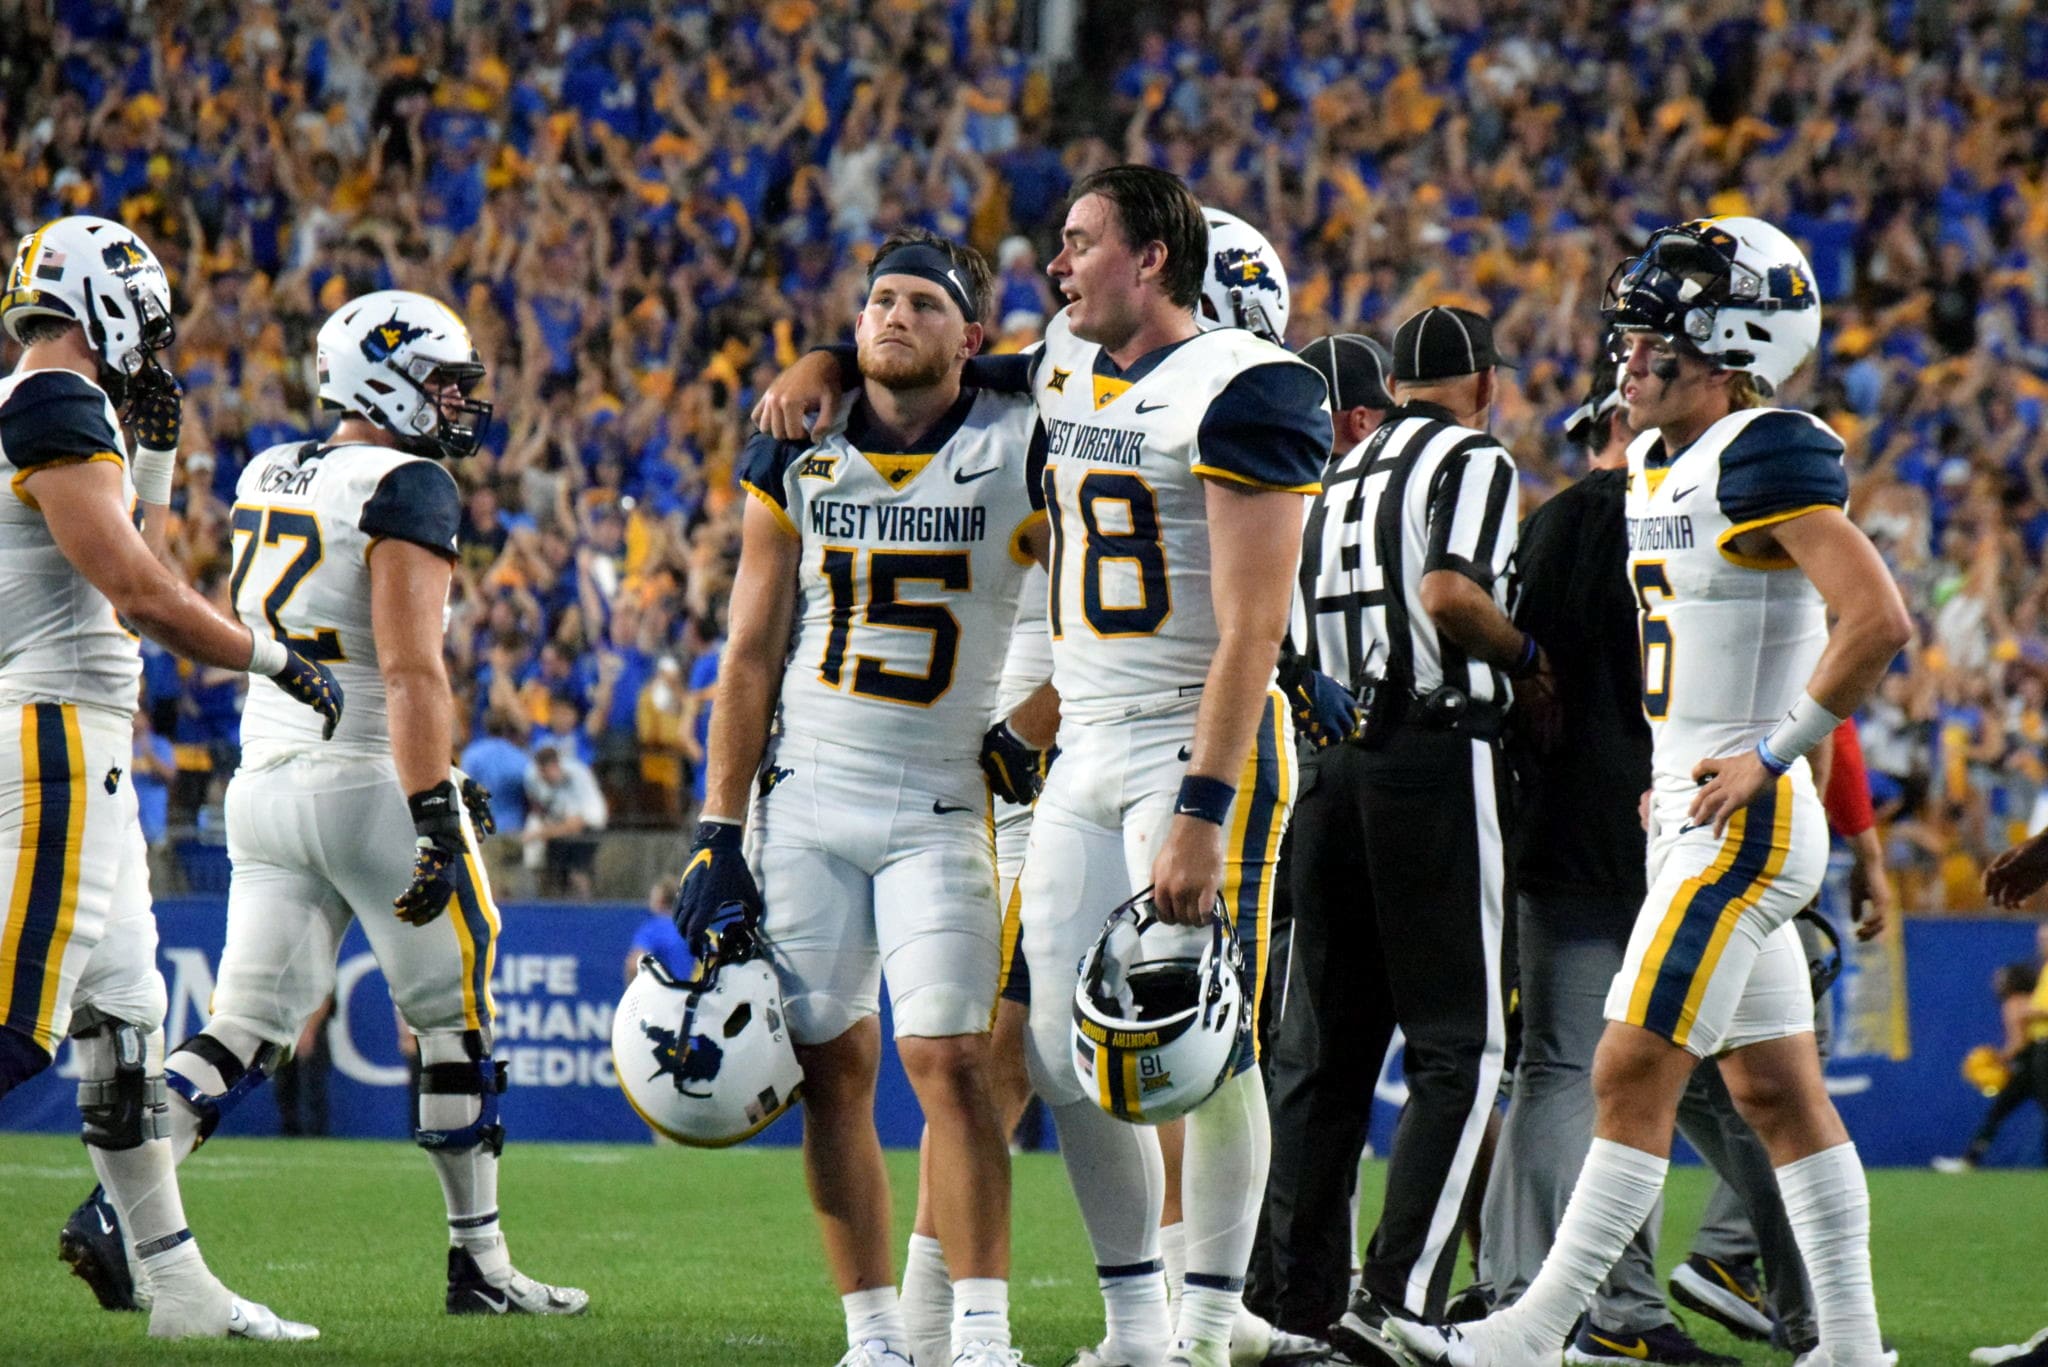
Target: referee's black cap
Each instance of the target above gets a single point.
(1355, 367)
(1443, 343)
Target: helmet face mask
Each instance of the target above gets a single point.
(1158, 1026)
(1735, 292)
(405, 362)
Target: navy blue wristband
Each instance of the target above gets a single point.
(718, 835)
(1207, 799)
(1770, 759)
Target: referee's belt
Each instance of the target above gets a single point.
(1447, 708)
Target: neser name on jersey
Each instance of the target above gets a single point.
(946, 523)
(1097, 445)
(1660, 533)
(283, 479)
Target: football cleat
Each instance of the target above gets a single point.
(1819, 1357)
(988, 1353)
(1195, 1353)
(91, 1242)
(211, 1311)
(1452, 1345)
(2033, 1350)
(1255, 1343)
(471, 1293)
(1954, 1166)
(1726, 1293)
(1357, 1334)
(1475, 1302)
(1667, 1344)
(261, 1324)
(1093, 1357)
(873, 1353)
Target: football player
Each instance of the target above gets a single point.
(343, 551)
(1740, 549)
(90, 306)
(882, 559)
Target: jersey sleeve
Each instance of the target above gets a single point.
(1470, 530)
(1268, 429)
(1011, 373)
(417, 502)
(1779, 466)
(764, 473)
(56, 416)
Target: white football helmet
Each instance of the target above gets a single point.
(1245, 285)
(100, 275)
(707, 1062)
(1735, 291)
(376, 355)
(1157, 1028)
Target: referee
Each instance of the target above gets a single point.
(1398, 835)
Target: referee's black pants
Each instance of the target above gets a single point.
(1398, 882)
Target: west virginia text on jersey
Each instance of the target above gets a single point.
(910, 567)
(59, 639)
(1133, 627)
(305, 519)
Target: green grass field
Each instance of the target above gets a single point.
(707, 1260)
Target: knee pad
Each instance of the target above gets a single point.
(479, 1076)
(21, 1058)
(239, 1080)
(121, 1099)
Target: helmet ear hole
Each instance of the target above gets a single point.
(741, 1017)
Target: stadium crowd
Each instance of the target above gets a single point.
(642, 210)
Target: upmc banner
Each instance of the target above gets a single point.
(560, 970)
(559, 974)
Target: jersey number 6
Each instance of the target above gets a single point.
(1657, 642)
(267, 527)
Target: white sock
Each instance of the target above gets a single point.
(1251, 1337)
(469, 1177)
(1173, 1251)
(1207, 1312)
(1616, 1191)
(874, 1314)
(981, 1312)
(1134, 1314)
(1827, 1202)
(927, 1301)
(1223, 1182)
(186, 1299)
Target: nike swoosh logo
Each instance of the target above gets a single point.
(499, 1304)
(1186, 754)
(1639, 1350)
(1750, 1297)
(941, 809)
(965, 477)
(1679, 497)
(105, 1228)
(1692, 826)
(1150, 408)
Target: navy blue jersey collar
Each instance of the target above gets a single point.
(1139, 368)
(863, 436)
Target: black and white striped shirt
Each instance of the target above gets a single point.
(1421, 493)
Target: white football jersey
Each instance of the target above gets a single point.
(1729, 642)
(909, 573)
(1028, 663)
(305, 519)
(1127, 454)
(59, 638)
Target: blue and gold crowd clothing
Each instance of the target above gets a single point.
(306, 518)
(910, 570)
(1129, 453)
(1729, 640)
(59, 638)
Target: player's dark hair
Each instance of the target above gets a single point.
(1156, 206)
(38, 328)
(981, 280)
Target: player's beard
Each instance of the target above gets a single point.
(911, 367)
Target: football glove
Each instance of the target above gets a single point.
(1325, 713)
(477, 799)
(1016, 772)
(436, 854)
(717, 890)
(312, 683)
(156, 404)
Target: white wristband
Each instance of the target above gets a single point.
(267, 656)
(1803, 728)
(151, 471)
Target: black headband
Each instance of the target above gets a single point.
(927, 263)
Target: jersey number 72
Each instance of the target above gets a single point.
(253, 529)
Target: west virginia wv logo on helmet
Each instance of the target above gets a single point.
(1242, 268)
(123, 256)
(698, 1061)
(386, 338)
